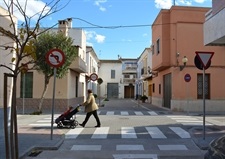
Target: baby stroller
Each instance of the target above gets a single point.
(67, 119)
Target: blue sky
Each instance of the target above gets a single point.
(124, 25)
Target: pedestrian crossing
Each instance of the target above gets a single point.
(126, 113)
(188, 120)
(128, 133)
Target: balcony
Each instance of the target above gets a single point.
(214, 28)
(78, 65)
(128, 81)
(128, 70)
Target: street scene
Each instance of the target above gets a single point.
(108, 79)
(130, 129)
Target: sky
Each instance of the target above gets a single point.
(112, 27)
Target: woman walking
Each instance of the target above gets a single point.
(91, 109)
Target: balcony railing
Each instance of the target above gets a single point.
(130, 70)
(79, 65)
(128, 81)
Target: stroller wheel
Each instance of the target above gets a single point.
(72, 126)
(59, 125)
(76, 123)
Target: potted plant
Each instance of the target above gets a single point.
(143, 98)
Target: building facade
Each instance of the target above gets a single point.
(70, 90)
(6, 55)
(214, 26)
(178, 33)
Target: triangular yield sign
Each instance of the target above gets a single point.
(204, 57)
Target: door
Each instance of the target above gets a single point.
(167, 91)
(112, 90)
(128, 91)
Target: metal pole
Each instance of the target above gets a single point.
(53, 104)
(203, 103)
(23, 91)
(6, 117)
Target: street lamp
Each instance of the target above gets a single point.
(184, 61)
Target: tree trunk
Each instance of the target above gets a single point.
(47, 78)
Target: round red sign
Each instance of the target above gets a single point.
(55, 58)
(93, 76)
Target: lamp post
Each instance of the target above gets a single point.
(184, 61)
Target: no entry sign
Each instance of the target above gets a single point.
(187, 77)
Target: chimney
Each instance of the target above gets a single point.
(69, 20)
(63, 27)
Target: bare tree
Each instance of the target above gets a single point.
(23, 49)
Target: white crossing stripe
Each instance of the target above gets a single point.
(86, 147)
(152, 113)
(44, 121)
(155, 133)
(138, 113)
(128, 132)
(133, 156)
(100, 133)
(188, 120)
(73, 133)
(124, 113)
(110, 113)
(130, 147)
(172, 147)
(42, 125)
(180, 132)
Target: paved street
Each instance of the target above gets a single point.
(129, 130)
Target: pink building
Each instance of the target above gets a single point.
(176, 33)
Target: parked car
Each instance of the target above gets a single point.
(216, 149)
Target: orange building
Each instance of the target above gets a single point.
(178, 33)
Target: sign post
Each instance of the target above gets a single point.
(202, 62)
(54, 58)
(187, 79)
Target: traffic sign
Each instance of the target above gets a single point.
(205, 58)
(93, 76)
(187, 77)
(55, 58)
(199, 65)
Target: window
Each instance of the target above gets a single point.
(200, 86)
(153, 87)
(26, 85)
(76, 86)
(126, 76)
(113, 74)
(153, 49)
(159, 88)
(158, 46)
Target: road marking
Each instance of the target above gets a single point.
(42, 125)
(130, 147)
(100, 133)
(155, 133)
(138, 113)
(124, 113)
(133, 156)
(110, 113)
(128, 132)
(86, 147)
(172, 147)
(152, 113)
(73, 133)
(180, 132)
